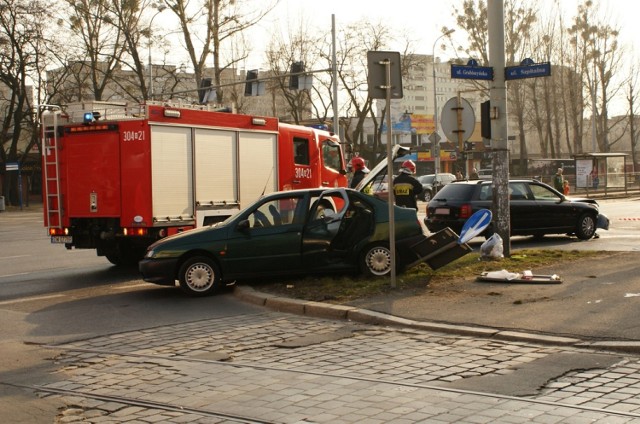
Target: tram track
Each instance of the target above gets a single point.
(320, 373)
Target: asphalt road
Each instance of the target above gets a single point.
(53, 297)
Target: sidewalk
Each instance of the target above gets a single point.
(595, 307)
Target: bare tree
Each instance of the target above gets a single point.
(99, 47)
(299, 47)
(519, 23)
(221, 21)
(22, 25)
(634, 131)
(603, 59)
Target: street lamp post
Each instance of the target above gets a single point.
(435, 104)
(160, 8)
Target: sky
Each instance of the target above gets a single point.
(424, 19)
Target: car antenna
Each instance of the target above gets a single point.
(267, 182)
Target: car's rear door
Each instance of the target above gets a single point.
(552, 211)
(522, 207)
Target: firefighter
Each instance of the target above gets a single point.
(359, 171)
(405, 187)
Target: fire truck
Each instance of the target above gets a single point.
(118, 177)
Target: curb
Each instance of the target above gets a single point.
(364, 316)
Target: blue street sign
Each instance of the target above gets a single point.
(475, 225)
(527, 71)
(472, 72)
(12, 166)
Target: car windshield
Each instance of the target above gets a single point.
(455, 192)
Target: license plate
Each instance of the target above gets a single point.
(61, 239)
(442, 211)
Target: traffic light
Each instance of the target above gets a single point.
(468, 145)
(203, 92)
(252, 76)
(294, 78)
(485, 119)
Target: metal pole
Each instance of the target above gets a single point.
(435, 102)
(392, 219)
(160, 9)
(499, 136)
(334, 68)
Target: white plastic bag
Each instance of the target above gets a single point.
(492, 248)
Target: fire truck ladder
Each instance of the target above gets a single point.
(51, 168)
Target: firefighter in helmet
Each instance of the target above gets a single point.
(359, 170)
(405, 186)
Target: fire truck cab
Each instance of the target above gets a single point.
(118, 177)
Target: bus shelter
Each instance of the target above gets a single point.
(601, 171)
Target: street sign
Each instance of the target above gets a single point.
(12, 166)
(458, 120)
(527, 71)
(475, 225)
(472, 72)
(434, 137)
(378, 76)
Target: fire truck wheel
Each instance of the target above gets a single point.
(200, 276)
(376, 260)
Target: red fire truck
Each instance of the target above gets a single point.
(116, 177)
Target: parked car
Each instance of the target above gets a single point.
(485, 174)
(380, 187)
(288, 232)
(431, 183)
(535, 208)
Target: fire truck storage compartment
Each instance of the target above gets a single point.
(212, 170)
(258, 173)
(172, 173)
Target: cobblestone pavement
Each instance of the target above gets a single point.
(281, 368)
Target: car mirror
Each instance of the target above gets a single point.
(243, 225)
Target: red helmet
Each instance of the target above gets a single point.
(409, 166)
(357, 163)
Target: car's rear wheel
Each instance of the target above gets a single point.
(376, 260)
(200, 276)
(586, 226)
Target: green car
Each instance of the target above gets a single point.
(286, 233)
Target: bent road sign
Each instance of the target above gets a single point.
(475, 225)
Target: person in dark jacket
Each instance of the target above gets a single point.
(405, 187)
(359, 171)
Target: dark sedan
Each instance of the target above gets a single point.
(535, 208)
(289, 232)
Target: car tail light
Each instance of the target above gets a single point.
(465, 211)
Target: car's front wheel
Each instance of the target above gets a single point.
(427, 195)
(200, 276)
(376, 260)
(586, 226)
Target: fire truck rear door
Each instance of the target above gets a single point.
(92, 167)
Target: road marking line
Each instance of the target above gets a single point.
(14, 257)
(132, 286)
(30, 299)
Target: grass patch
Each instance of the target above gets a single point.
(345, 288)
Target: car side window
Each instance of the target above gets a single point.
(276, 213)
(543, 193)
(486, 192)
(518, 191)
